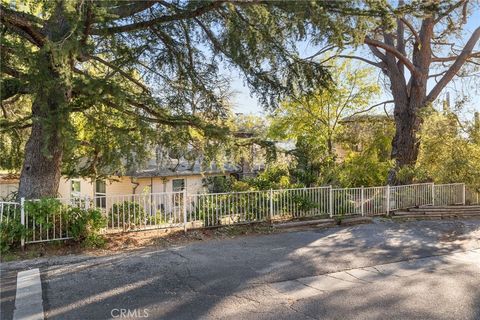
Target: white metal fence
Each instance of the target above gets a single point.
(472, 196)
(45, 221)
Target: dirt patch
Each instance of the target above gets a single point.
(126, 241)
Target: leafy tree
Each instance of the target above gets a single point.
(366, 143)
(313, 122)
(416, 46)
(450, 150)
(102, 75)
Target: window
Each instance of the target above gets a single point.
(100, 194)
(178, 184)
(75, 190)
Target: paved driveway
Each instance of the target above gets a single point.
(385, 270)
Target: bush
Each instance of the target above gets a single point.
(49, 216)
(127, 215)
(85, 224)
(11, 232)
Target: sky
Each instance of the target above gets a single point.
(243, 102)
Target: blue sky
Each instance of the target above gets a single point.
(243, 102)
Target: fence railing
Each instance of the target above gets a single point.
(472, 196)
(179, 209)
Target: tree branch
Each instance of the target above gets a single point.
(453, 58)
(123, 73)
(394, 52)
(455, 67)
(23, 24)
(162, 19)
(130, 9)
(372, 107)
(380, 65)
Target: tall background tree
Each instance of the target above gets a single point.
(420, 49)
(100, 80)
(313, 122)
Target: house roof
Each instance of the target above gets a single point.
(184, 168)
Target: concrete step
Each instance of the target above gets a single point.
(434, 215)
(450, 209)
(445, 212)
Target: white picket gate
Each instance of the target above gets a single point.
(178, 209)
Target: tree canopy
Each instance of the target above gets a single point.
(105, 79)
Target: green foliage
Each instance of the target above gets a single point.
(219, 184)
(448, 154)
(104, 76)
(85, 225)
(363, 170)
(316, 122)
(127, 215)
(366, 145)
(275, 176)
(11, 231)
(43, 211)
(49, 216)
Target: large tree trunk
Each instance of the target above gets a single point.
(40, 174)
(43, 156)
(405, 143)
(41, 169)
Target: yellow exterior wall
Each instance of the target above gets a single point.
(124, 185)
(65, 187)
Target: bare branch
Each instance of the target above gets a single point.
(380, 65)
(455, 67)
(453, 58)
(394, 52)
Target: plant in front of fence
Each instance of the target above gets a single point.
(303, 204)
(127, 215)
(46, 219)
(85, 226)
(11, 232)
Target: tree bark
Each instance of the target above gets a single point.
(405, 143)
(40, 174)
(41, 171)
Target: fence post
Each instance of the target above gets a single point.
(363, 200)
(22, 220)
(185, 210)
(388, 200)
(330, 201)
(463, 193)
(433, 194)
(271, 207)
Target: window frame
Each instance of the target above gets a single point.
(73, 193)
(100, 197)
(184, 187)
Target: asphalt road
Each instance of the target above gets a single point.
(385, 270)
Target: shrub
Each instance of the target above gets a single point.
(49, 216)
(127, 215)
(85, 224)
(11, 232)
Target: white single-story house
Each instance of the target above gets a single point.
(152, 179)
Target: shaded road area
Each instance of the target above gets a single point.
(410, 270)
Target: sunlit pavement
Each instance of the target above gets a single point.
(385, 270)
